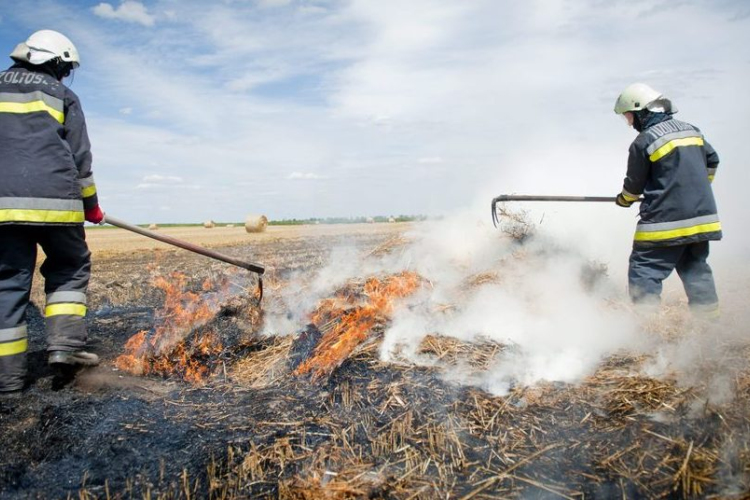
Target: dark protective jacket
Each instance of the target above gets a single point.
(45, 157)
(672, 166)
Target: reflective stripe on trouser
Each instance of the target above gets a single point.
(66, 276)
(17, 259)
(650, 266)
(14, 343)
(66, 272)
(66, 326)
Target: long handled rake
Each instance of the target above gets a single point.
(256, 268)
(524, 197)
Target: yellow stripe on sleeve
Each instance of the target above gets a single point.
(88, 191)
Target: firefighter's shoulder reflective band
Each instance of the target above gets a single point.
(675, 143)
(32, 102)
(678, 229)
(65, 309)
(661, 141)
(13, 341)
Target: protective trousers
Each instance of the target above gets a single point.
(650, 266)
(66, 271)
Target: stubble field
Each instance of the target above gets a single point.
(236, 409)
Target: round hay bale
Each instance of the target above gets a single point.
(230, 225)
(370, 220)
(391, 219)
(153, 227)
(209, 224)
(256, 223)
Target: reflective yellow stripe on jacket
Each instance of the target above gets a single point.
(629, 196)
(88, 188)
(678, 229)
(41, 210)
(48, 216)
(675, 143)
(32, 102)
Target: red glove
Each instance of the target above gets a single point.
(94, 215)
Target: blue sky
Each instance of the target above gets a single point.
(212, 110)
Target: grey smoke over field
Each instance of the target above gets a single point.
(558, 302)
(539, 301)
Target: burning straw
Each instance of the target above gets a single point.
(397, 430)
(348, 318)
(180, 343)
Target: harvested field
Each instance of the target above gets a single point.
(220, 399)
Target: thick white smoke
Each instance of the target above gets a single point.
(560, 325)
(548, 300)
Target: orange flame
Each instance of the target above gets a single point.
(165, 351)
(356, 316)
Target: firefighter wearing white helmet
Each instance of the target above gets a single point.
(47, 46)
(670, 167)
(47, 193)
(640, 96)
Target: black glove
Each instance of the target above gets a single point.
(621, 201)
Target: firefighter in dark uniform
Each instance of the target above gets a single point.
(671, 166)
(46, 193)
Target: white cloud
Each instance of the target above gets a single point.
(162, 178)
(273, 3)
(304, 176)
(128, 11)
(163, 187)
(430, 160)
(126, 111)
(423, 109)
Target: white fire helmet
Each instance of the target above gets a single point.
(45, 45)
(640, 96)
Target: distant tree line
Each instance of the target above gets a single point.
(347, 220)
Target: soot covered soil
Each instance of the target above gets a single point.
(369, 430)
(104, 430)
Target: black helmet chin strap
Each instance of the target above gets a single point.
(60, 69)
(639, 117)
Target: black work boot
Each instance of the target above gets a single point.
(80, 358)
